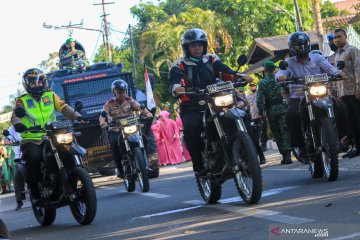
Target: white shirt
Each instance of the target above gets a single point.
(15, 137)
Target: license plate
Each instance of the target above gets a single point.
(316, 78)
(128, 121)
(62, 124)
(219, 87)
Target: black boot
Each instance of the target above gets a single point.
(286, 158)
(262, 158)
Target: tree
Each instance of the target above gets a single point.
(51, 63)
(328, 9)
(12, 101)
(161, 44)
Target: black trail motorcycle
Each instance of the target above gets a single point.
(134, 161)
(233, 154)
(70, 184)
(318, 124)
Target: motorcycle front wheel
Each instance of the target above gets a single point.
(248, 178)
(329, 149)
(84, 207)
(129, 179)
(142, 172)
(44, 215)
(210, 191)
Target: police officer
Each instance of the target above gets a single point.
(196, 69)
(121, 106)
(40, 104)
(269, 99)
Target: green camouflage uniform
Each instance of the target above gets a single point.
(80, 56)
(269, 99)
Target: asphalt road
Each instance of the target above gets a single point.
(173, 209)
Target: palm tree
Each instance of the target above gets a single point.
(161, 44)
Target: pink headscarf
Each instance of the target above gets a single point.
(164, 114)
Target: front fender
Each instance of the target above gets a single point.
(322, 103)
(235, 113)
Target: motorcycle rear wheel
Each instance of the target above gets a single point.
(129, 179)
(329, 152)
(142, 172)
(248, 180)
(84, 207)
(210, 191)
(44, 215)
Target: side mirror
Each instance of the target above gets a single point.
(242, 59)
(104, 114)
(20, 112)
(340, 65)
(78, 106)
(283, 65)
(6, 133)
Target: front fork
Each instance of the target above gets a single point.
(67, 190)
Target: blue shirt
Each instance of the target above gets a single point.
(316, 64)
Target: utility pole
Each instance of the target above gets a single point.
(318, 23)
(133, 52)
(298, 17)
(106, 28)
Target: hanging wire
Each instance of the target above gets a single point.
(97, 42)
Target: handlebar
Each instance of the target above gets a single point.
(295, 80)
(197, 91)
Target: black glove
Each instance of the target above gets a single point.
(82, 119)
(19, 127)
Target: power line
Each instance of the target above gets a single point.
(97, 41)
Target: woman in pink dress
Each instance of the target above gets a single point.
(171, 134)
(160, 142)
(183, 147)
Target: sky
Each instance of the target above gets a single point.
(26, 43)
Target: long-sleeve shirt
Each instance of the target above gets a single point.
(254, 111)
(351, 56)
(316, 64)
(15, 137)
(269, 96)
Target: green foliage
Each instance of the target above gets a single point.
(328, 9)
(51, 63)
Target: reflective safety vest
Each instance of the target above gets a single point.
(39, 113)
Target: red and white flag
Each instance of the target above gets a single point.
(149, 94)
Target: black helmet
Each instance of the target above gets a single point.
(193, 35)
(299, 44)
(34, 74)
(119, 84)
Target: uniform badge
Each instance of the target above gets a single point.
(30, 103)
(46, 100)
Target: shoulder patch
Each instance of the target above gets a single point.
(19, 102)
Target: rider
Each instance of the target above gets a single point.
(300, 65)
(71, 51)
(40, 104)
(121, 106)
(196, 69)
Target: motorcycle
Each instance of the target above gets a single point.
(233, 154)
(134, 161)
(70, 184)
(318, 124)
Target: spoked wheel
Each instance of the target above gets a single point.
(142, 172)
(248, 179)
(83, 208)
(316, 168)
(129, 180)
(209, 190)
(44, 215)
(329, 151)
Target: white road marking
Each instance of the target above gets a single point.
(246, 211)
(150, 194)
(167, 212)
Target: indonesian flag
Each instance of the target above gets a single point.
(149, 94)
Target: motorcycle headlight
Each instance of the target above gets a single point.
(317, 90)
(223, 101)
(64, 138)
(130, 129)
